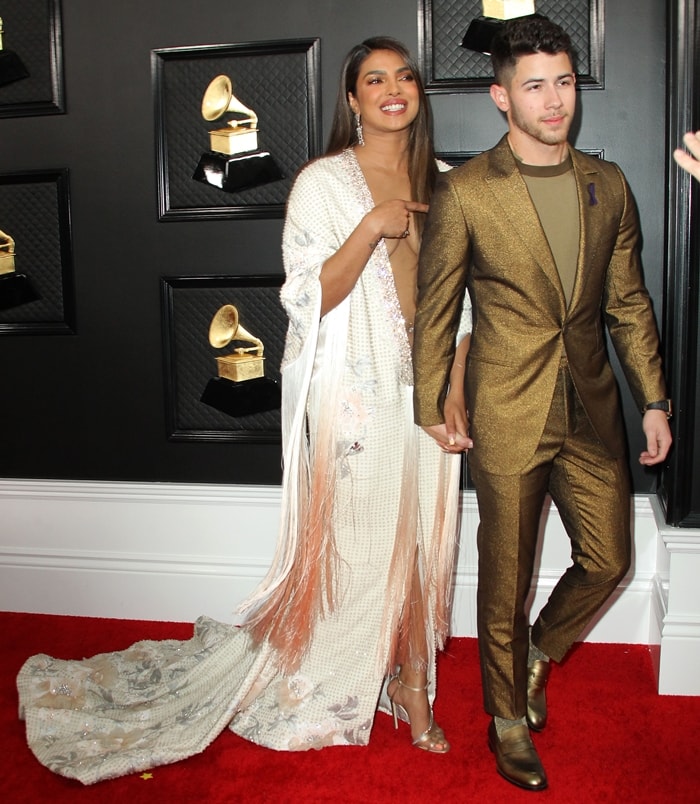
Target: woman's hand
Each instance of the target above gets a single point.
(341, 271)
(392, 218)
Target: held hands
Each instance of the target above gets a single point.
(692, 142)
(391, 219)
(453, 442)
(453, 435)
(658, 433)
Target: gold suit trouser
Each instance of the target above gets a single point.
(592, 493)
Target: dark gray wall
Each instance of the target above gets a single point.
(91, 405)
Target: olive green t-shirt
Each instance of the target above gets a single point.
(553, 192)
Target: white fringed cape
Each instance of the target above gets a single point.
(364, 489)
(300, 586)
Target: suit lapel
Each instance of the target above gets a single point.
(589, 212)
(506, 183)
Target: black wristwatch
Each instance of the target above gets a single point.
(662, 404)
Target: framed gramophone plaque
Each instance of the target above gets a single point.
(233, 124)
(36, 254)
(448, 67)
(31, 58)
(223, 340)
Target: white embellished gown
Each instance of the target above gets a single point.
(347, 422)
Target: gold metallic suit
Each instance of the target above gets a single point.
(543, 399)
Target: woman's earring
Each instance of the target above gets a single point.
(358, 129)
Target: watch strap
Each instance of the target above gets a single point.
(661, 404)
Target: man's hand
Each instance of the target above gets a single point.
(658, 433)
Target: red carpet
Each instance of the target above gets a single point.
(629, 744)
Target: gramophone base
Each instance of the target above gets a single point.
(480, 34)
(11, 67)
(16, 289)
(237, 172)
(242, 398)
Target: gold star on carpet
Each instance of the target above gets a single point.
(146, 775)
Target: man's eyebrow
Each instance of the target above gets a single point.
(541, 80)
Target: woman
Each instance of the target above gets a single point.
(361, 578)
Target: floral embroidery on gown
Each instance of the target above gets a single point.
(158, 702)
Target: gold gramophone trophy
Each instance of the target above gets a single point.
(508, 9)
(481, 30)
(241, 387)
(234, 161)
(15, 289)
(11, 66)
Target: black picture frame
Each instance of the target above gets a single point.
(188, 306)
(35, 212)
(279, 80)
(449, 68)
(33, 33)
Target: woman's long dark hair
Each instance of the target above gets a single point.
(422, 169)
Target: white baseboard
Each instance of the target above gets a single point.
(676, 609)
(174, 551)
(133, 550)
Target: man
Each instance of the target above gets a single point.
(548, 240)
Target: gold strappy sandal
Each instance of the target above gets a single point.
(433, 736)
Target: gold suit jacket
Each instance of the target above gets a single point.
(482, 229)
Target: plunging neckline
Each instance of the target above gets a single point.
(382, 265)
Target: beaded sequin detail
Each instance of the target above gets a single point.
(379, 261)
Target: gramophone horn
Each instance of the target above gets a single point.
(7, 253)
(225, 328)
(219, 98)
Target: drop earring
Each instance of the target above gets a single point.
(358, 129)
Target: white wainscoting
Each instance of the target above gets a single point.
(163, 551)
(676, 609)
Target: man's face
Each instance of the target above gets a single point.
(540, 98)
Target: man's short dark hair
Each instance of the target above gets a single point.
(524, 36)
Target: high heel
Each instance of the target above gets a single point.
(433, 736)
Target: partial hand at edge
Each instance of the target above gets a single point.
(692, 165)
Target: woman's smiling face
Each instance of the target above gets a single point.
(386, 95)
